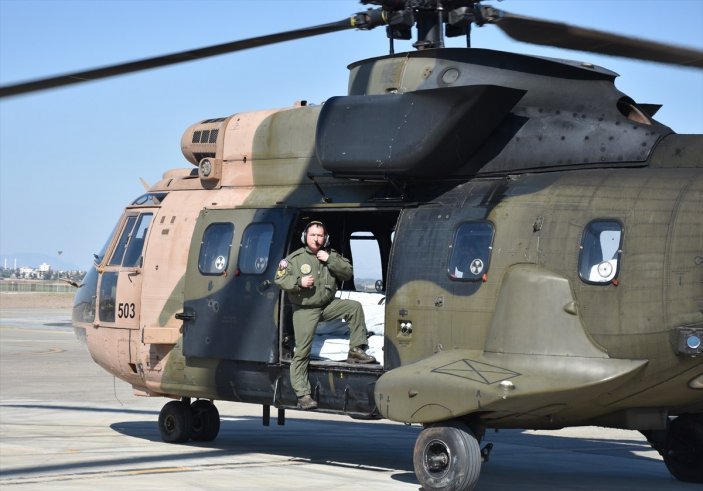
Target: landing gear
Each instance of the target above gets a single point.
(176, 422)
(447, 457)
(681, 446)
(179, 421)
(206, 421)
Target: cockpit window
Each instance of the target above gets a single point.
(108, 294)
(470, 253)
(215, 248)
(118, 254)
(151, 199)
(599, 260)
(128, 250)
(255, 247)
(136, 242)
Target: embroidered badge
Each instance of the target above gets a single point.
(305, 269)
(282, 269)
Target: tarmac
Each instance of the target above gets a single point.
(66, 424)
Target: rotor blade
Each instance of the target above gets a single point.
(172, 59)
(538, 31)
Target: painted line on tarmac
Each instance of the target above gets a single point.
(21, 328)
(160, 470)
(145, 471)
(50, 351)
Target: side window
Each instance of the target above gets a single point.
(215, 248)
(366, 256)
(136, 243)
(255, 247)
(599, 259)
(470, 252)
(108, 294)
(118, 254)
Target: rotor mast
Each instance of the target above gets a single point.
(434, 19)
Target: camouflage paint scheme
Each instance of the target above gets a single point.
(532, 346)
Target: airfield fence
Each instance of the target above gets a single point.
(35, 286)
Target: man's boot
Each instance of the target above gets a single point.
(306, 402)
(358, 355)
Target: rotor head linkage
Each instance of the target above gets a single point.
(434, 19)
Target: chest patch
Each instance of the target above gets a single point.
(305, 269)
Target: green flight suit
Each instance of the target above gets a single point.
(315, 304)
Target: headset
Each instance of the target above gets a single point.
(303, 236)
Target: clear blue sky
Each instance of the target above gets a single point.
(71, 158)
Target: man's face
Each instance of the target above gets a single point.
(315, 237)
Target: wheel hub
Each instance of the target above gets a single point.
(437, 457)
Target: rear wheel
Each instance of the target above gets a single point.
(683, 448)
(176, 422)
(206, 421)
(447, 457)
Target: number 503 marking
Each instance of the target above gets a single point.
(126, 310)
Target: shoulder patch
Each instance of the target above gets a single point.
(282, 269)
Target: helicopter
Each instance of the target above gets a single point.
(537, 233)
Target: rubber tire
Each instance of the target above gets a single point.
(176, 422)
(206, 421)
(683, 448)
(454, 442)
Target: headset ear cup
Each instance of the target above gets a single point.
(303, 236)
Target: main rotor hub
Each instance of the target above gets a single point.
(434, 19)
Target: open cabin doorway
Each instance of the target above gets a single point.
(365, 237)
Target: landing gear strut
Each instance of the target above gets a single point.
(180, 421)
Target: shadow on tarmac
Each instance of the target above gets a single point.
(370, 446)
(383, 447)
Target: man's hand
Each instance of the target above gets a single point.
(307, 281)
(323, 255)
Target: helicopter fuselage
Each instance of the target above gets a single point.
(539, 239)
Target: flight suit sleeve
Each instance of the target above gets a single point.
(339, 266)
(286, 277)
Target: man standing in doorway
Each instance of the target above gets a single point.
(309, 277)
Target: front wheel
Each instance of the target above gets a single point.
(206, 421)
(447, 457)
(176, 422)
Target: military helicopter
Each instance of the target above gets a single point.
(558, 223)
